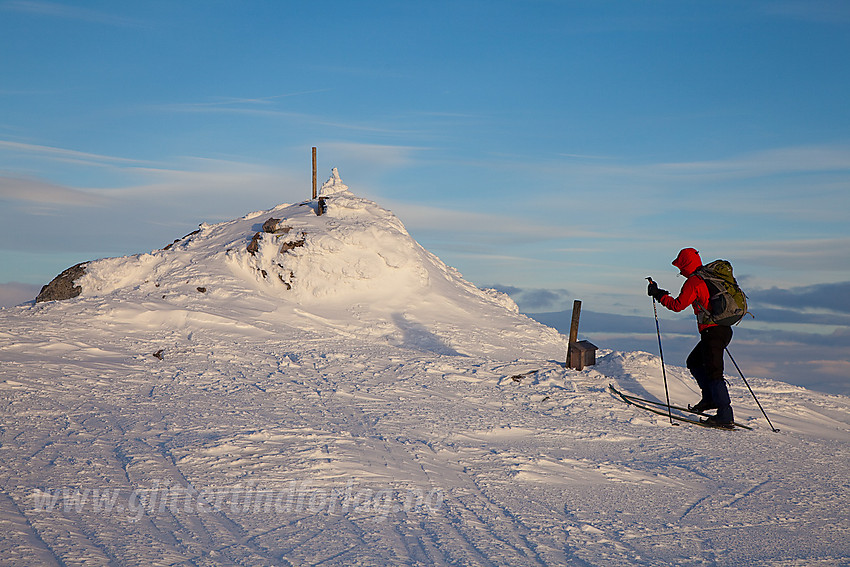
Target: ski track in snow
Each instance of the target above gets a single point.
(279, 433)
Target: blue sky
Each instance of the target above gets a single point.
(557, 149)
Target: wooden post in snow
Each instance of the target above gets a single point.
(579, 353)
(314, 172)
(573, 332)
(574, 323)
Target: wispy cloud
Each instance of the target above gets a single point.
(65, 155)
(764, 163)
(384, 156)
(760, 185)
(262, 107)
(201, 176)
(496, 227)
(43, 192)
(835, 12)
(225, 102)
(826, 254)
(139, 177)
(811, 159)
(67, 12)
(219, 107)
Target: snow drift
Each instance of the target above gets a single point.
(290, 388)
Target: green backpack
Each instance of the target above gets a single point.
(727, 300)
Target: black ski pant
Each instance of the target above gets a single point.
(706, 365)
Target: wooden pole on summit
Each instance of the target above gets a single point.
(314, 172)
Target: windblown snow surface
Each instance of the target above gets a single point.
(342, 397)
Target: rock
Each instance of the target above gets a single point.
(270, 225)
(194, 232)
(254, 245)
(62, 286)
(287, 246)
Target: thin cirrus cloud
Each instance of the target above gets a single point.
(835, 12)
(65, 155)
(66, 12)
(763, 163)
(265, 107)
(383, 156)
(812, 159)
(45, 193)
(821, 254)
(496, 226)
(138, 177)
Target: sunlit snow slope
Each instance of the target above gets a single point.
(321, 390)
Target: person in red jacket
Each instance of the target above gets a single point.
(706, 360)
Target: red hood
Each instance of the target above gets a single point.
(687, 261)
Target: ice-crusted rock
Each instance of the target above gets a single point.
(333, 185)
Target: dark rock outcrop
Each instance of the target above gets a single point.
(194, 232)
(254, 245)
(62, 286)
(287, 246)
(271, 225)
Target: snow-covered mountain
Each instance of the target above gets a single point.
(296, 388)
(352, 271)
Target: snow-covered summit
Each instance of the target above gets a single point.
(340, 263)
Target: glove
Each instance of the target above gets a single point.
(655, 293)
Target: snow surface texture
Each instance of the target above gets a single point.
(342, 397)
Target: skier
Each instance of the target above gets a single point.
(706, 360)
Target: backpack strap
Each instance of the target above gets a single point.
(704, 316)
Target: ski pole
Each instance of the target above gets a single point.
(751, 392)
(661, 353)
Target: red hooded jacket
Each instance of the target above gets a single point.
(694, 291)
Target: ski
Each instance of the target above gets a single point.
(647, 405)
(660, 404)
(679, 408)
